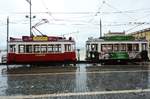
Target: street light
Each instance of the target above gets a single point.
(78, 50)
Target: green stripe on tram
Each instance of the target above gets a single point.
(119, 55)
(119, 38)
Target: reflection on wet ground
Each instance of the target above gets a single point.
(81, 82)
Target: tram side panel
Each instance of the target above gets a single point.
(33, 58)
(114, 52)
(67, 54)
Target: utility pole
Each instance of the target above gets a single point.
(7, 32)
(30, 19)
(30, 16)
(100, 30)
(78, 50)
(7, 39)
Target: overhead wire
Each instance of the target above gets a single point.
(48, 11)
(118, 10)
(87, 12)
(100, 7)
(95, 14)
(133, 28)
(137, 25)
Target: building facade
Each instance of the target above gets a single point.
(115, 33)
(142, 34)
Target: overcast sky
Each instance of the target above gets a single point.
(76, 18)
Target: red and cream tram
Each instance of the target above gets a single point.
(40, 49)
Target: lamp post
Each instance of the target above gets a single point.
(7, 39)
(78, 50)
(100, 28)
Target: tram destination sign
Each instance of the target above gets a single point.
(40, 38)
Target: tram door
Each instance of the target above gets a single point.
(144, 52)
(94, 52)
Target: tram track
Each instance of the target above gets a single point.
(134, 91)
(71, 73)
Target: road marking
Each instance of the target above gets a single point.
(65, 73)
(77, 94)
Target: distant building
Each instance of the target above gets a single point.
(142, 34)
(114, 34)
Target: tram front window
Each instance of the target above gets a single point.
(94, 47)
(67, 47)
(12, 48)
(73, 47)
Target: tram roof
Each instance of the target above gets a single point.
(41, 39)
(116, 39)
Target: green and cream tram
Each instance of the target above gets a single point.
(116, 49)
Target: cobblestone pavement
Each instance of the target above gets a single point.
(83, 83)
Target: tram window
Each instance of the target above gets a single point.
(107, 47)
(144, 46)
(12, 48)
(21, 48)
(88, 47)
(73, 47)
(67, 47)
(54, 48)
(122, 47)
(94, 47)
(129, 46)
(28, 48)
(110, 47)
(103, 47)
(43, 48)
(135, 47)
(116, 47)
(36, 48)
(58, 47)
(50, 48)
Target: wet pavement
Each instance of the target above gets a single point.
(83, 82)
